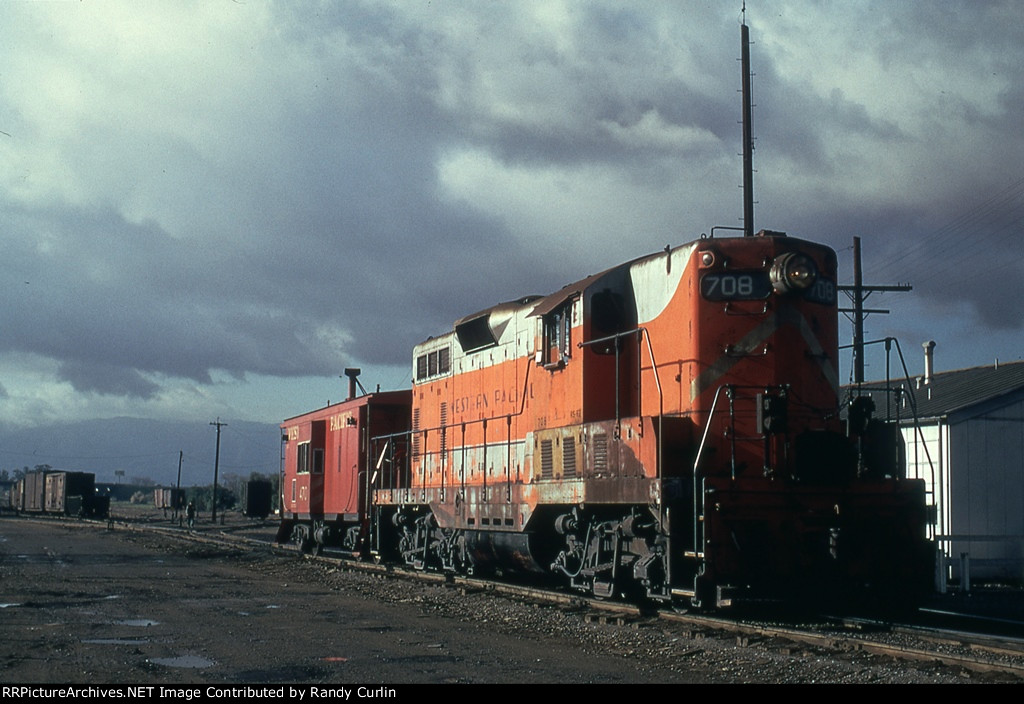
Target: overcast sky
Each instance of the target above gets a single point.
(212, 208)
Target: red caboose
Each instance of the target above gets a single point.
(327, 464)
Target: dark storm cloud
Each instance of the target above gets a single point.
(139, 300)
(143, 301)
(310, 186)
(344, 251)
(110, 379)
(969, 252)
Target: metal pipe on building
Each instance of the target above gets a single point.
(929, 358)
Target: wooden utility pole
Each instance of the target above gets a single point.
(177, 490)
(216, 467)
(859, 293)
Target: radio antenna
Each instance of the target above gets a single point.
(748, 140)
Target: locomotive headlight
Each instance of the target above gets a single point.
(793, 272)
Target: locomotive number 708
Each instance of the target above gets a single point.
(751, 285)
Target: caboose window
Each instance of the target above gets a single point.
(302, 458)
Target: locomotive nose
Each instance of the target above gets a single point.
(793, 271)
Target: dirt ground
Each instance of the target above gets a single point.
(87, 604)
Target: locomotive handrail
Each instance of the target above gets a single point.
(727, 309)
(698, 495)
(616, 337)
(918, 432)
(414, 431)
(913, 409)
(389, 448)
(661, 401)
(645, 333)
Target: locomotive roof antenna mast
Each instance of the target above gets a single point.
(748, 140)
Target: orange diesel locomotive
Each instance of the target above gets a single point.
(669, 427)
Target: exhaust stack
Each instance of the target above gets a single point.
(352, 373)
(929, 360)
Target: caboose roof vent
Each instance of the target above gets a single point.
(352, 373)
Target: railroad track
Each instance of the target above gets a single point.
(973, 651)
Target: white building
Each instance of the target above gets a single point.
(968, 445)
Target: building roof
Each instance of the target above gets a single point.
(958, 390)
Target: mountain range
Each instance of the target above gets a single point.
(144, 449)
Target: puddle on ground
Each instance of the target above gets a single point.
(240, 613)
(4, 606)
(116, 641)
(271, 606)
(138, 622)
(113, 596)
(188, 661)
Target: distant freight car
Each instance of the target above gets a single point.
(33, 492)
(64, 493)
(15, 502)
(257, 499)
(169, 499)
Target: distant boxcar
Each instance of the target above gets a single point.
(68, 492)
(33, 492)
(64, 493)
(257, 499)
(169, 498)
